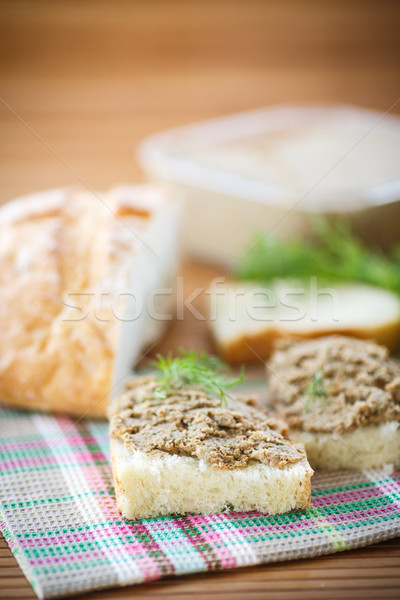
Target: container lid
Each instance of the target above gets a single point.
(328, 158)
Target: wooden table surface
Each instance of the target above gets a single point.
(83, 82)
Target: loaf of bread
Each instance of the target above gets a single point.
(246, 320)
(341, 398)
(77, 308)
(187, 453)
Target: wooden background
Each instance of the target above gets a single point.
(83, 82)
(91, 79)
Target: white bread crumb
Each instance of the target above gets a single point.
(150, 486)
(367, 447)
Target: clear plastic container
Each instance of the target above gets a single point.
(266, 170)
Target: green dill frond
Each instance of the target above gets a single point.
(336, 254)
(316, 391)
(204, 371)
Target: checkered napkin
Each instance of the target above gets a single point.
(59, 517)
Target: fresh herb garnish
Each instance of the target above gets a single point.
(316, 391)
(336, 254)
(204, 371)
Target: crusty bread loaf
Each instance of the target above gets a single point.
(247, 320)
(150, 486)
(76, 269)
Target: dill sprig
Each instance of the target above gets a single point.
(204, 371)
(316, 391)
(335, 254)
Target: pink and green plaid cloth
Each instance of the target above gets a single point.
(59, 516)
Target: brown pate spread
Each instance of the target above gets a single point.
(190, 423)
(361, 384)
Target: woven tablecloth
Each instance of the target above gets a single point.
(59, 517)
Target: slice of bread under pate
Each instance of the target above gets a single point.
(187, 453)
(341, 398)
(246, 320)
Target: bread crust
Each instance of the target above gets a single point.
(250, 348)
(60, 252)
(244, 332)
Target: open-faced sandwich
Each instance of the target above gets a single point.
(179, 444)
(341, 397)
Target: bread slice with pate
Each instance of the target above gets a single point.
(341, 398)
(188, 453)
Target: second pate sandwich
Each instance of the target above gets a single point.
(341, 398)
